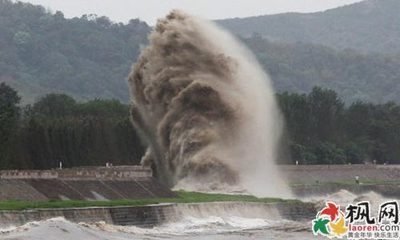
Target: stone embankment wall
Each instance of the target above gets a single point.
(391, 191)
(335, 173)
(132, 182)
(310, 180)
(92, 183)
(151, 215)
(118, 172)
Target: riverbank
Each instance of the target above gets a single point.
(385, 188)
(143, 214)
(181, 197)
(388, 189)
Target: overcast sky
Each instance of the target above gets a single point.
(150, 10)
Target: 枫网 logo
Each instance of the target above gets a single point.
(359, 222)
(330, 222)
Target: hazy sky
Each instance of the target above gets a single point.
(150, 10)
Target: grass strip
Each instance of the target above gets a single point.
(182, 197)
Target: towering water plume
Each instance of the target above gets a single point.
(206, 109)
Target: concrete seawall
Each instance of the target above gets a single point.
(151, 215)
(299, 173)
(326, 179)
(335, 173)
(88, 173)
(91, 183)
(386, 190)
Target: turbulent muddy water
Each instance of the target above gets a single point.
(199, 223)
(208, 113)
(188, 228)
(207, 110)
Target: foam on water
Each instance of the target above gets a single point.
(345, 197)
(184, 221)
(59, 228)
(190, 225)
(197, 222)
(207, 110)
(56, 228)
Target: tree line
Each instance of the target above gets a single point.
(320, 129)
(59, 129)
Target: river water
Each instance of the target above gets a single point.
(190, 226)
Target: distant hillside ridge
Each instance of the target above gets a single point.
(298, 67)
(87, 57)
(90, 57)
(368, 26)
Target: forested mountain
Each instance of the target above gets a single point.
(90, 57)
(370, 26)
(320, 130)
(85, 57)
(298, 67)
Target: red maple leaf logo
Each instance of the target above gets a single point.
(332, 210)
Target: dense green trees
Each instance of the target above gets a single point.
(9, 117)
(90, 57)
(298, 67)
(323, 130)
(57, 128)
(320, 130)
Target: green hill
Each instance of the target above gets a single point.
(90, 57)
(86, 57)
(298, 67)
(368, 26)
